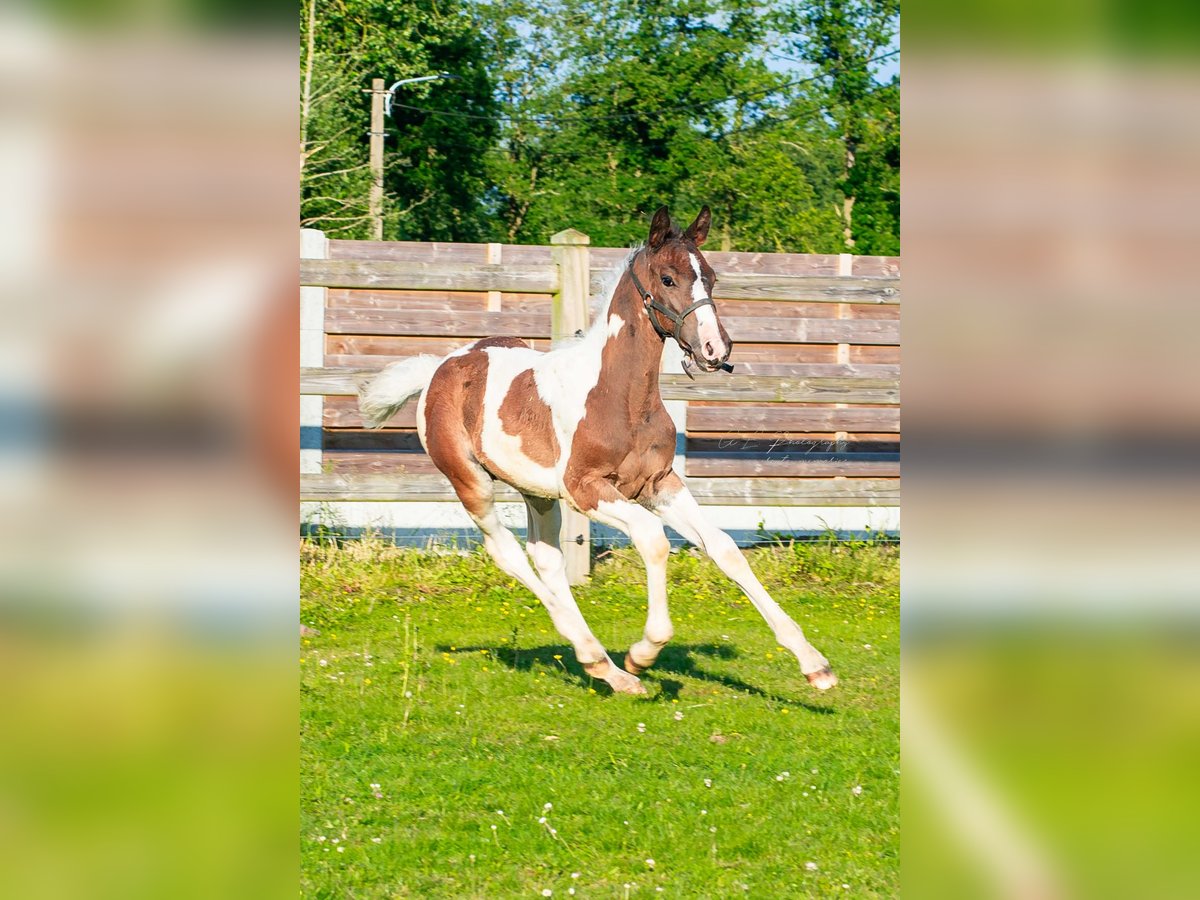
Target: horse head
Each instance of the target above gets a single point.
(678, 290)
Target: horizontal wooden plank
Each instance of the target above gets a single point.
(331, 487)
(755, 388)
(788, 418)
(380, 487)
(715, 465)
(438, 276)
(350, 462)
(761, 444)
(448, 301)
(468, 323)
(889, 355)
(774, 389)
(796, 491)
(381, 349)
(781, 287)
(731, 261)
(761, 329)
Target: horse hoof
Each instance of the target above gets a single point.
(822, 680)
(631, 667)
(624, 683)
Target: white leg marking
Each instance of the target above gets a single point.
(646, 532)
(505, 549)
(683, 514)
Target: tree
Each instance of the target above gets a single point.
(843, 39)
(434, 171)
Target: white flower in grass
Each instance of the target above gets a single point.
(856, 790)
(548, 806)
(650, 863)
(574, 874)
(499, 812)
(546, 892)
(708, 782)
(341, 849)
(571, 891)
(678, 716)
(541, 820)
(376, 840)
(811, 866)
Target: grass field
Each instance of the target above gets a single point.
(452, 747)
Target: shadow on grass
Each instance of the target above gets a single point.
(675, 659)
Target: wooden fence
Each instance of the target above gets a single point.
(810, 417)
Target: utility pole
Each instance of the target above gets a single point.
(376, 159)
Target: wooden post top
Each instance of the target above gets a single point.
(570, 236)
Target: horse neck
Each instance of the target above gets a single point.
(632, 354)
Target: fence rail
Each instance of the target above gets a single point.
(342, 382)
(724, 491)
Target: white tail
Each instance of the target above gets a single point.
(384, 395)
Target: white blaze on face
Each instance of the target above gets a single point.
(706, 316)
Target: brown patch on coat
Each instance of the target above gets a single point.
(454, 420)
(524, 414)
(625, 443)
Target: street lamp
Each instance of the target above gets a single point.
(380, 108)
(391, 92)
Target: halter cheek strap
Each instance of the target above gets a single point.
(651, 304)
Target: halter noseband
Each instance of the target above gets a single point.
(651, 304)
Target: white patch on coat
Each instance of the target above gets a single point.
(564, 378)
(615, 324)
(504, 364)
(706, 316)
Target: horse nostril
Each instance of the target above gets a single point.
(708, 349)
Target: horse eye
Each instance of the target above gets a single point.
(666, 279)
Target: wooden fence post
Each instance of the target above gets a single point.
(313, 245)
(568, 317)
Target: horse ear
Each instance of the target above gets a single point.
(660, 228)
(697, 232)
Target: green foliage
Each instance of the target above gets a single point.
(441, 681)
(592, 113)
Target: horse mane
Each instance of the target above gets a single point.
(608, 287)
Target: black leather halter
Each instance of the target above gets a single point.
(651, 304)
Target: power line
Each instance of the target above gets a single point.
(550, 118)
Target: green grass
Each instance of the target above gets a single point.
(442, 681)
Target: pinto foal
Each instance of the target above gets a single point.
(585, 423)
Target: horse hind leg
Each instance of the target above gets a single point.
(506, 550)
(543, 544)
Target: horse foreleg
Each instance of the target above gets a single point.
(645, 530)
(679, 509)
